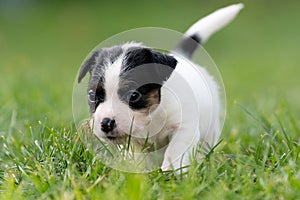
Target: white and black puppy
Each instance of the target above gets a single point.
(131, 91)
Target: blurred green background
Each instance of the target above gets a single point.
(42, 44)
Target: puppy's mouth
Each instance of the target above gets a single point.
(111, 138)
(114, 136)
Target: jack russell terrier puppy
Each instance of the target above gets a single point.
(163, 99)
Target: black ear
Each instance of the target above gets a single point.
(88, 65)
(140, 56)
(157, 65)
(164, 59)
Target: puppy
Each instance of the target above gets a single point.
(163, 100)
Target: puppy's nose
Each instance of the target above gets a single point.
(107, 124)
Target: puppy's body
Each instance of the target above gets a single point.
(161, 99)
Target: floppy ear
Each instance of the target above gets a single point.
(88, 65)
(165, 67)
(164, 59)
(158, 66)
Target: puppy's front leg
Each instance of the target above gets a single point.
(182, 145)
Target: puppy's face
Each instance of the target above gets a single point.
(124, 89)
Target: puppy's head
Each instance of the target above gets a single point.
(124, 88)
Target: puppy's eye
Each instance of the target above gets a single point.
(133, 96)
(94, 97)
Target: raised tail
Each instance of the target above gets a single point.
(200, 31)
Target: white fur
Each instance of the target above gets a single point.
(203, 104)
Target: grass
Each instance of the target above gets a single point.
(42, 157)
(55, 164)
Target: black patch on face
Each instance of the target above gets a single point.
(95, 65)
(96, 94)
(143, 72)
(140, 98)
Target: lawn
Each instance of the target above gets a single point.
(42, 46)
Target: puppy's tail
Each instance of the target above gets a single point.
(205, 27)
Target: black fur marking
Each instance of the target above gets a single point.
(196, 38)
(87, 65)
(146, 92)
(98, 58)
(140, 56)
(144, 70)
(143, 65)
(188, 45)
(96, 95)
(95, 65)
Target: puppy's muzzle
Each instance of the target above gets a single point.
(107, 125)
